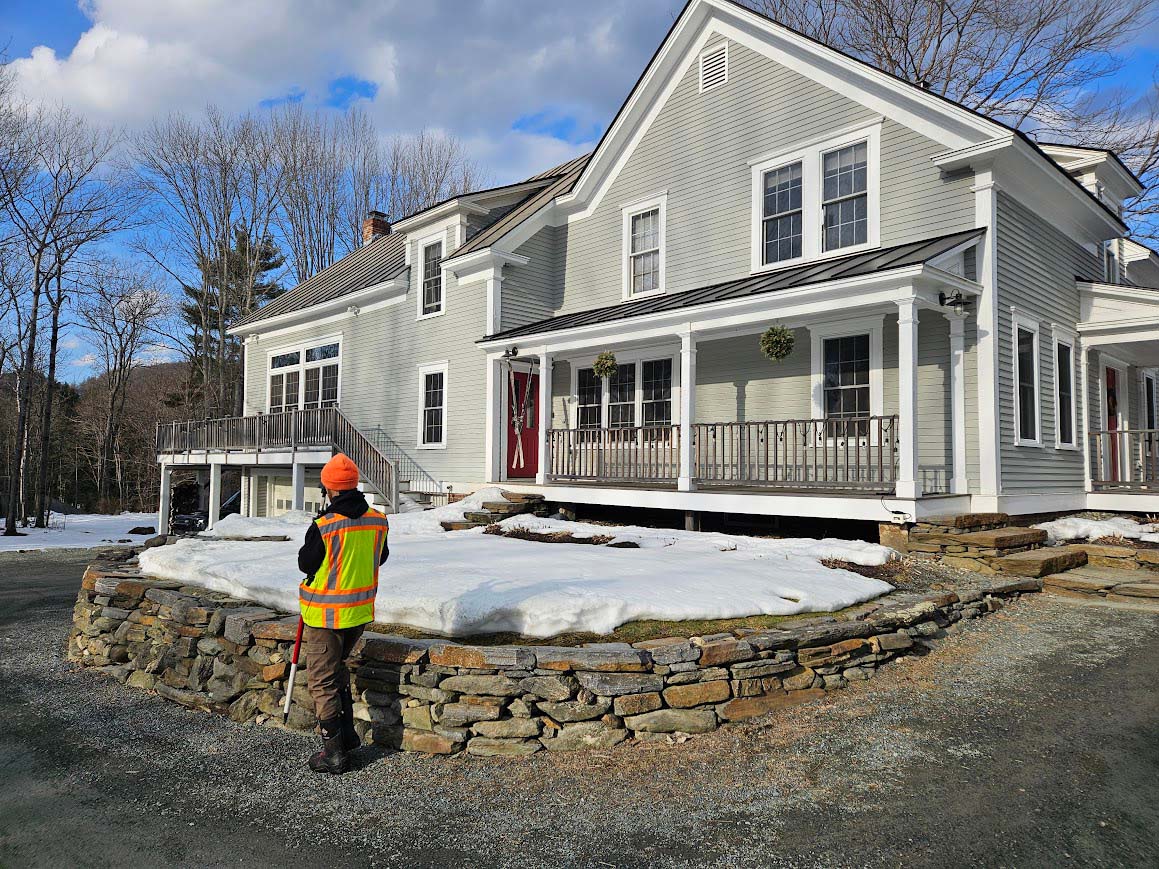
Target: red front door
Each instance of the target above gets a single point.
(522, 423)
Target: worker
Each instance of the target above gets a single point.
(345, 545)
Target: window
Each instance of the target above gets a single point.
(639, 393)
(845, 203)
(589, 393)
(622, 397)
(819, 199)
(1064, 394)
(433, 406)
(846, 377)
(644, 248)
(1149, 400)
(714, 67)
(432, 300)
(656, 381)
(1026, 410)
(782, 214)
(305, 379)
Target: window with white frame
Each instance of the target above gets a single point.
(781, 217)
(846, 379)
(1149, 399)
(639, 393)
(1064, 392)
(432, 297)
(820, 199)
(1026, 379)
(844, 197)
(644, 248)
(433, 406)
(305, 378)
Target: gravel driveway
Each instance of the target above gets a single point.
(1030, 738)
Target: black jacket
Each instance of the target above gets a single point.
(351, 504)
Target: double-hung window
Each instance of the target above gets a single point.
(846, 384)
(1026, 377)
(321, 376)
(644, 247)
(637, 394)
(781, 221)
(622, 397)
(656, 384)
(845, 197)
(820, 199)
(432, 295)
(305, 378)
(590, 399)
(1064, 393)
(433, 406)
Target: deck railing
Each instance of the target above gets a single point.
(648, 454)
(1126, 460)
(318, 428)
(858, 453)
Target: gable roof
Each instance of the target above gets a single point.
(382, 260)
(854, 265)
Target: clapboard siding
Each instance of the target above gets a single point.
(699, 150)
(534, 291)
(1037, 266)
(381, 353)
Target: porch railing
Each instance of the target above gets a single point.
(649, 454)
(858, 453)
(1125, 459)
(318, 428)
(826, 454)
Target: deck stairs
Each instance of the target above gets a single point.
(988, 543)
(513, 504)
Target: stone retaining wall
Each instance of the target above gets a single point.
(218, 654)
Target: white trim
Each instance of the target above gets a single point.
(1062, 335)
(714, 49)
(421, 246)
(659, 203)
(341, 308)
(636, 357)
(423, 370)
(300, 347)
(959, 484)
(810, 156)
(820, 332)
(1026, 323)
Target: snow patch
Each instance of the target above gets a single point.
(463, 583)
(1077, 528)
(79, 531)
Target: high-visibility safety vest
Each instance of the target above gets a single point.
(341, 594)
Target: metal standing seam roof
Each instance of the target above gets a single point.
(855, 265)
(381, 260)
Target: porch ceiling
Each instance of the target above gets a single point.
(826, 271)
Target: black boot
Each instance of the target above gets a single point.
(332, 758)
(350, 740)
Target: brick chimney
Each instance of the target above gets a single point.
(375, 225)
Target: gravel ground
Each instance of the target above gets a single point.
(1030, 738)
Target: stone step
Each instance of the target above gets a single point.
(1040, 562)
(523, 497)
(482, 517)
(458, 526)
(1136, 590)
(1004, 538)
(1079, 580)
(506, 508)
(966, 521)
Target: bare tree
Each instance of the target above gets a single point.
(1037, 65)
(61, 203)
(120, 312)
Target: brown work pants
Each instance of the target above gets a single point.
(326, 653)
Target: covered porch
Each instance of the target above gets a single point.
(869, 405)
(1119, 346)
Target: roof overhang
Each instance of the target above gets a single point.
(1120, 315)
(382, 292)
(817, 301)
(1077, 159)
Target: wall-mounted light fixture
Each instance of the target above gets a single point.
(511, 352)
(956, 301)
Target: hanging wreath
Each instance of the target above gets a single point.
(777, 343)
(605, 364)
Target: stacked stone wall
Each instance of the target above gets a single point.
(218, 654)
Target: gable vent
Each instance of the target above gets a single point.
(714, 67)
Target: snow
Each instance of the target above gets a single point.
(467, 582)
(79, 531)
(1077, 528)
(292, 524)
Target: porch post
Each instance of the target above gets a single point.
(687, 409)
(959, 484)
(493, 439)
(1085, 378)
(298, 482)
(214, 494)
(164, 498)
(544, 421)
(244, 496)
(908, 485)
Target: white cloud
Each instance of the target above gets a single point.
(86, 361)
(472, 68)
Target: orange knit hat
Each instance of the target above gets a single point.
(340, 474)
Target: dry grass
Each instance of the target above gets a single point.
(1116, 540)
(558, 537)
(889, 572)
